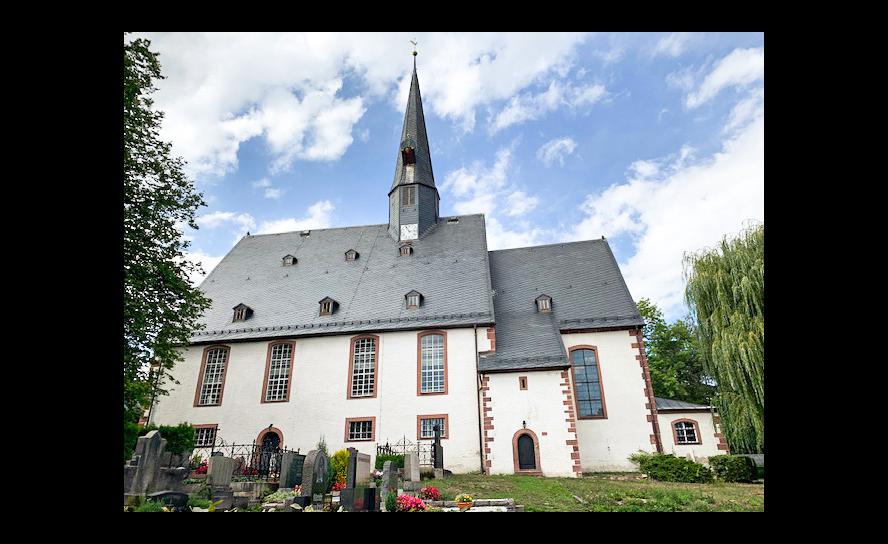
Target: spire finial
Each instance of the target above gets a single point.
(414, 42)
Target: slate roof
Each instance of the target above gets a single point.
(414, 133)
(449, 266)
(587, 291)
(677, 405)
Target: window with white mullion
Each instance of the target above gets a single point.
(204, 437)
(427, 427)
(685, 432)
(364, 368)
(360, 430)
(279, 372)
(214, 373)
(432, 366)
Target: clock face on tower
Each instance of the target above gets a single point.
(408, 232)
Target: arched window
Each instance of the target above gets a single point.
(362, 367)
(278, 372)
(432, 348)
(211, 381)
(526, 452)
(588, 393)
(686, 431)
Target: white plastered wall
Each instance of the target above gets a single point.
(606, 444)
(696, 452)
(541, 408)
(318, 404)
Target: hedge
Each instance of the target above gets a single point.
(733, 468)
(130, 435)
(669, 468)
(397, 460)
(180, 438)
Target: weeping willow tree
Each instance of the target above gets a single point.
(725, 291)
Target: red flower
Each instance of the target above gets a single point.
(430, 493)
(338, 486)
(406, 503)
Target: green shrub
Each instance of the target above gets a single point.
(391, 502)
(733, 468)
(669, 468)
(760, 473)
(397, 460)
(150, 506)
(130, 435)
(180, 438)
(198, 502)
(338, 466)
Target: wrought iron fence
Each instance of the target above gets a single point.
(424, 450)
(253, 462)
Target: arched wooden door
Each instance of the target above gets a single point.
(526, 452)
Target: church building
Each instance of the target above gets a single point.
(529, 360)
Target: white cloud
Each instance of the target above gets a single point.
(273, 193)
(519, 203)
(270, 190)
(530, 106)
(222, 89)
(319, 217)
(556, 149)
(746, 110)
(500, 237)
(740, 68)
(672, 45)
(216, 219)
(264, 182)
(206, 262)
(679, 204)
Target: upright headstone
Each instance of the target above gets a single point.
(411, 470)
(351, 468)
(314, 475)
(291, 470)
(437, 449)
(219, 473)
(362, 470)
(389, 479)
(144, 474)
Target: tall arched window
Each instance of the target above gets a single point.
(432, 371)
(278, 372)
(362, 367)
(588, 393)
(211, 381)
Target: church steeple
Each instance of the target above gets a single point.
(413, 197)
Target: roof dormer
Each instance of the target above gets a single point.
(289, 260)
(328, 306)
(242, 312)
(544, 303)
(413, 300)
(352, 255)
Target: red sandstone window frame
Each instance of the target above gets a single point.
(522, 383)
(200, 376)
(419, 338)
(536, 452)
(268, 371)
(350, 420)
(573, 380)
(214, 426)
(351, 367)
(444, 435)
(696, 425)
(261, 436)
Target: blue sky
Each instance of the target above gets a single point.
(655, 141)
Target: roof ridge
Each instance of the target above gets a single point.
(548, 245)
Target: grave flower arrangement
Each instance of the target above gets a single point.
(338, 486)
(406, 503)
(202, 468)
(430, 493)
(464, 501)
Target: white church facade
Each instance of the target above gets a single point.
(530, 360)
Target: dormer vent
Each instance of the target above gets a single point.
(406, 250)
(452, 220)
(289, 260)
(242, 312)
(305, 233)
(352, 255)
(328, 306)
(544, 303)
(413, 300)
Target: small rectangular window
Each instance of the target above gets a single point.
(204, 437)
(360, 429)
(427, 426)
(522, 382)
(413, 301)
(408, 195)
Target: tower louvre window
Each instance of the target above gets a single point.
(408, 195)
(544, 303)
(408, 154)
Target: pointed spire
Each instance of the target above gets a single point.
(414, 145)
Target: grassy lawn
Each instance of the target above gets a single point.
(606, 493)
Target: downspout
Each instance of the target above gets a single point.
(478, 392)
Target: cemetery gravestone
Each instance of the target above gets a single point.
(314, 476)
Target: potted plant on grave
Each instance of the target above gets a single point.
(464, 501)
